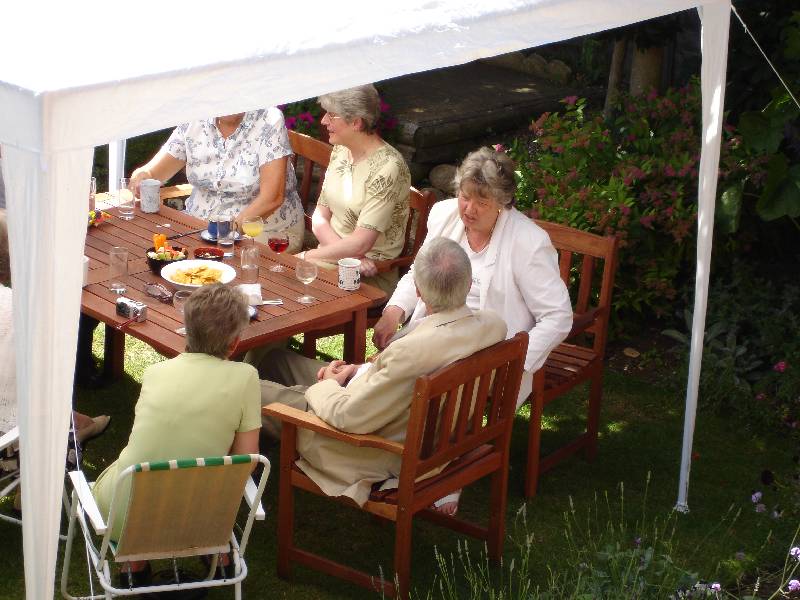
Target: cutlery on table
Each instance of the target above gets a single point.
(177, 235)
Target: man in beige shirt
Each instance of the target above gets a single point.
(376, 398)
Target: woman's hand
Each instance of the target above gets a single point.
(137, 177)
(368, 268)
(387, 326)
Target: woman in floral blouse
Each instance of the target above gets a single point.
(363, 207)
(238, 166)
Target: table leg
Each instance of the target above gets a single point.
(114, 352)
(355, 338)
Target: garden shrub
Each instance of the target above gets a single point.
(635, 177)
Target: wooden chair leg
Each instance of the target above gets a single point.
(286, 501)
(593, 422)
(534, 444)
(497, 517)
(114, 351)
(402, 554)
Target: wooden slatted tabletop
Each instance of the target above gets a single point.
(333, 307)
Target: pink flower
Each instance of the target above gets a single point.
(668, 211)
(761, 396)
(307, 117)
(669, 171)
(779, 366)
(499, 148)
(558, 149)
(652, 95)
(625, 210)
(570, 100)
(384, 106)
(291, 122)
(390, 123)
(647, 221)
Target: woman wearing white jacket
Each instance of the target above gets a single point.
(514, 265)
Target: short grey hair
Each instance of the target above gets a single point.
(490, 174)
(443, 274)
(215, 315)
(359, 102)
(5, 256)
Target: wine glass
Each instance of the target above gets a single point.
(179, 298)
(278, 242)
(252, 227)
(306, 272)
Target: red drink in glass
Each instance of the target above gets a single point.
(278, 244)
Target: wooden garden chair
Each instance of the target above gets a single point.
(176, 509)
(313, 155)
(420, 204)
(580, 357)
(458, 442)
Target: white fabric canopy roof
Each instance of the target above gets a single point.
(74, 76)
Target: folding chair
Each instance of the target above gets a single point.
(171, 513)
(10, 479)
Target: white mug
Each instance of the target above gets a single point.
(349, 273)
(150, 195)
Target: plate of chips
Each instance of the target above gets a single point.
(193, 274)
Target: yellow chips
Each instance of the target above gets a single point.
(201, 275)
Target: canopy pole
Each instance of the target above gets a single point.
(715, 20)
(116, 163)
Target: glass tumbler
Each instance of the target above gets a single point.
(249, 258)
(117, 269)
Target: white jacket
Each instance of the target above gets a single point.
(522, 285)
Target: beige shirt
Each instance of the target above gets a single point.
(379, 401)
(373, 194)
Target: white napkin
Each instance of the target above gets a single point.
(252, 292)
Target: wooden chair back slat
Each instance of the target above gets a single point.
(585, 284)
(565, 265)
(494, 367)
(464, 416)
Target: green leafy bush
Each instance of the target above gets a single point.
(635, 177)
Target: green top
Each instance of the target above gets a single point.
(373, 194)
(190, 406)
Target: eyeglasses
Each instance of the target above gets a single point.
(331, 116)
(159, 292)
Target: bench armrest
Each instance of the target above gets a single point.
(301, 418)
(87, 501)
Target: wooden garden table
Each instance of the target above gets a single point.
(335, 307)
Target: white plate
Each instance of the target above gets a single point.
(209, 238)
(168, 271)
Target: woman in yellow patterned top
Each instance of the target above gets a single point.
(363, 206)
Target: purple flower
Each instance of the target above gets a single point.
(795, 553)
(291, 122)
(307, 117)
(625, 210)
(794, 585)
(779, 366)
(384, 106)
(715, 587)
(637, 541)
(760, 508)
(756, 497)
(570, 100)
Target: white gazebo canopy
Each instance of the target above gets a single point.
(78, 75)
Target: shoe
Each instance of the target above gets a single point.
(136, 579)
(91, 431)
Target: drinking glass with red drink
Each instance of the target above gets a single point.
(278, 243)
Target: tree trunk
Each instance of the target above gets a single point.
(614, 76)
(646, 70)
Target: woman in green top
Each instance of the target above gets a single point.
(197, 404)
(363, 207)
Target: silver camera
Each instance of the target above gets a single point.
(131, 309)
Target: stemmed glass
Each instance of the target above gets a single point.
(306, 272)
(179, 298)
(278, 242)
(252, 227)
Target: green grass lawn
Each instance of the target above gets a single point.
(642, 423)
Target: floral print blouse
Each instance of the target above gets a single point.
(224, 173)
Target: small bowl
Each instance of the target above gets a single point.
(156, 265)
(209, 253)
